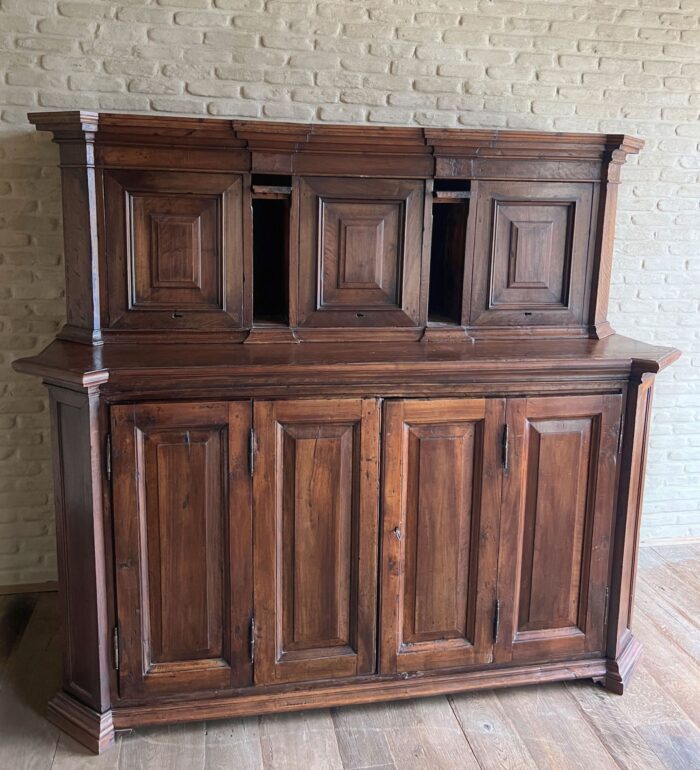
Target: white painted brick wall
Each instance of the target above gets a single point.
(596, 65)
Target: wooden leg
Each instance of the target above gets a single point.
(620, 671)
(93, 730)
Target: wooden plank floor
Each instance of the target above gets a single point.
(558, 726)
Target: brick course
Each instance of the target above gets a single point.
(599, 65)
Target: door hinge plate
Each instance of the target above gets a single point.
(496, 619)
(251, 640)
(251, 451)
(115, 648)
(108, 457)
(504, 448)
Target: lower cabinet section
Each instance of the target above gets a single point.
(250, 549)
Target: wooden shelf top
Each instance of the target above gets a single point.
(83, 365)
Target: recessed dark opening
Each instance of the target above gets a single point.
(270, 261)
(451, 185)
(447, 261)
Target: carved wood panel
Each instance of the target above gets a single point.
(316, 517)
(174, 247)
(440, 500)
(360, 252)
(556, 525)
(183, 545)
(531, 254)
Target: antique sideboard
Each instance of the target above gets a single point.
(338, 416)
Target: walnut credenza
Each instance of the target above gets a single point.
(338, 417)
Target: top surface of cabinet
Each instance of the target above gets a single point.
(182, 229)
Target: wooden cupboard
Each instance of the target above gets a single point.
(338, 417)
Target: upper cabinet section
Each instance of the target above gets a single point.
(183, 229)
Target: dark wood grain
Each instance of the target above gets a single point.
(556, 526)
(182, 546)
(360, 247)
(441, 489)
(316, 518)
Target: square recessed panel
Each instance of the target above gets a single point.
(531, 265)
(531, 255)
(176, 252)
(360, 252)
(174, 246)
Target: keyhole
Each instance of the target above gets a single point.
(397, 533)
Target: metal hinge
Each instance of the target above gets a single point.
(108, 457)
(115, 648)
(496, 620)
(251, 640)
(504, 448)
(251, 451)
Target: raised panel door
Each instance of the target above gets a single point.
(441, 494)
(183, 546)
(531, 255)
(360, 246)
(316, 516)
(174, 249)
(556, 526)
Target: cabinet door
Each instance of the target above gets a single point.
(556, 526)
(441, 495)
(174, 249)
(316, 516)
(360, 248)
(183, 546)
(532, 246)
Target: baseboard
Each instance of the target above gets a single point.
(349, 694)
(93, 730)
(29, 588)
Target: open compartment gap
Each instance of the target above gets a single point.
(270, 258)
(447, 254)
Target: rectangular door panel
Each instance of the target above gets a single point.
(531, 253)
(360, 252)
(559, 495)
(440, 501)
(182, 513)
(316, 517)
(174, 249)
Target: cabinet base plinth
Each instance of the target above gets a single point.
(619, 671)
(93, 730)
(301, 697)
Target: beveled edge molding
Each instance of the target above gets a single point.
(620, 670)
(93, 730)
(322, 138)
(352, 693)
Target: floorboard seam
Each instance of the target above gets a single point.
(461, 729)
